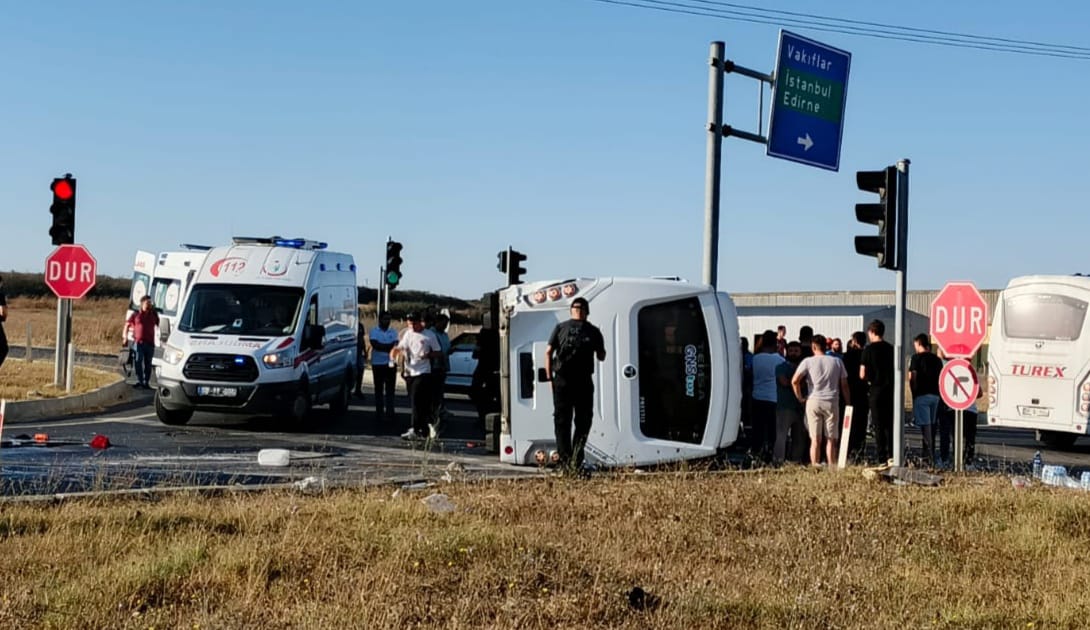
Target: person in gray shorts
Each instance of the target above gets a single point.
(826, 380)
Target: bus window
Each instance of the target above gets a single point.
(675, 371)
(1043, 316)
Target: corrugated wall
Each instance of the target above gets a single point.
(919, 301)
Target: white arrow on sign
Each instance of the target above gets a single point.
(806, 142)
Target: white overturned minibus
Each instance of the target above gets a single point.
(670, 388)
(1039, 358)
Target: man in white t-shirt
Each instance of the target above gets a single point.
(418, 348)
(383, 339)
(826, 379)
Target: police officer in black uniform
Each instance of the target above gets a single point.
(569, 366)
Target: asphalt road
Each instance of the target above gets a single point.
(222, 450)
(216, 449)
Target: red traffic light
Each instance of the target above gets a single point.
(62, 189)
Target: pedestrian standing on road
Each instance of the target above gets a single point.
(383, 338)
(142, 325)
(781, 340)
(440, 367)
(418, 348)
(877, 371)
(789, 411)
(853, 359)
(826, 381)
(3, 317)
(361, 355)
(569, 366)
(747, 394)
(923, 378)
(763, 407)
(806, 335)
(946, 427)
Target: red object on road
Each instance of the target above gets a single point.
(959, 319)
(70, 271)
(100, 442)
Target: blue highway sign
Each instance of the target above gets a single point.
(808, 97)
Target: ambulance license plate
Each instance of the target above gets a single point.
(217, 391)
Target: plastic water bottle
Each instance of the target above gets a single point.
(1037, 463)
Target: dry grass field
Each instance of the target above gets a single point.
(96, 324)
(20, 380)
(767, 549)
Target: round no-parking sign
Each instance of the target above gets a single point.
(958, 384)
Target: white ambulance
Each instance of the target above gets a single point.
(1039, 358)
(671, 385)
(268, 327)
(166, 278)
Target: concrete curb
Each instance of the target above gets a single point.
(30, 410)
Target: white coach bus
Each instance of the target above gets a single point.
(671, 385)
(1039, 358)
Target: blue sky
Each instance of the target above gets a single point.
(570, 129)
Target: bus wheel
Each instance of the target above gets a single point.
(339, 404)
(1057, 440)
(171, 416)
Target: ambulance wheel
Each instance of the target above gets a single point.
(172, 417)
(339, 404)
(1056, 440)
(300, 404)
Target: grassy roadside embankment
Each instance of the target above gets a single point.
(792, 548)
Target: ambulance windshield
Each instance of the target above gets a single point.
(238, 309)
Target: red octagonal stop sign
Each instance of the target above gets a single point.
(70, 271)
(959, 319)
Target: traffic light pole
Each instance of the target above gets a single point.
(383, 292)
(899, 345)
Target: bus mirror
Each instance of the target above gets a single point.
(164, 330)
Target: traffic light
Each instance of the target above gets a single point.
(63, 210)
(514, 266)
(502, 264)
(883, 214)
(393, 264)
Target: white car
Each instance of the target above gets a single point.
(463, 362)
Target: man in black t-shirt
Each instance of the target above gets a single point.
(876, 369)
(923, 378)
(3, 316)
(853, 359)
(569, 366)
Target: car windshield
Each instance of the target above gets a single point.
(235, 309)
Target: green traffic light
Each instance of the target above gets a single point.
(392, 278)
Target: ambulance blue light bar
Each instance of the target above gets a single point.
(299, 243)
